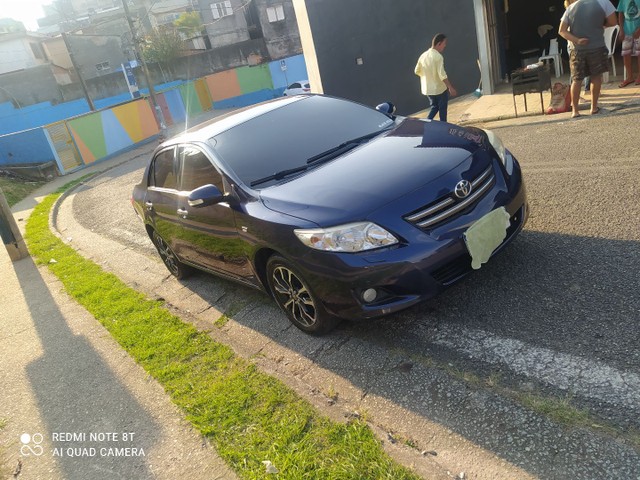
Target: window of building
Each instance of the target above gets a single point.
(169, 18)
(37, 50)
(103, 66)
(222, 9)
(275, 13)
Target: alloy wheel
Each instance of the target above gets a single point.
(166, 254)
(294, 296)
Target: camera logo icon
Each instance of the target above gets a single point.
(31, 444)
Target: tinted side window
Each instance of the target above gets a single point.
(197, 169)
(294, 85)
(163, 174)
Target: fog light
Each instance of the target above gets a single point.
(369, 295)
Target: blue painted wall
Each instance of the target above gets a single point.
(175, 105)
(246, 99)
(24, 148)
(15, 120)
(23, 141)
(296, 70)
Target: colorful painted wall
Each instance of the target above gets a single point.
(14, 119)
(102, 134)
(97, 135)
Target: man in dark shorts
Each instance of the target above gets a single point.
(583, 24)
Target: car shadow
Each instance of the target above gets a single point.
(569, 294)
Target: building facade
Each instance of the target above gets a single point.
(279, 27)
(367, 49)
(371, 57)
(20, 51)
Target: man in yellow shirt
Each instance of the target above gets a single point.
(433, 78)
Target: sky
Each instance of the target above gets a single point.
(25, 11)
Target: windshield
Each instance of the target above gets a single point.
(285, 138)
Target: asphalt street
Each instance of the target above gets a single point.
(557, 314)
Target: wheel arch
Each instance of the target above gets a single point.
(260, 260)
(149, 230)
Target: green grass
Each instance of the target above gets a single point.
(249, 416)
(560, 410)
(222, 321)
(15, 190)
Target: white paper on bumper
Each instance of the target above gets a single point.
(485, 235)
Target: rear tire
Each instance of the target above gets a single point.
(175, 266)
(293, 295)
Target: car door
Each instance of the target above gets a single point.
(210, 232)
(161, 199)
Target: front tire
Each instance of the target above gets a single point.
(175, 266)
(293, 295)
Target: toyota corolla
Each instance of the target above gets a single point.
(336, 210)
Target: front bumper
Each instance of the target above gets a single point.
(414, 271)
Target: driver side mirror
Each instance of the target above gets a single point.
(388, 108)
(205, 196)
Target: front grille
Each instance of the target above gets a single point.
(449, 205)
(452, 271)
(461, 266)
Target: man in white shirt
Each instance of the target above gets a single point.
(583, 24)
(433, 78)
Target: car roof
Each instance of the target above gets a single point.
(222, 123)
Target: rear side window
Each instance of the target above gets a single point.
(197, 169)
(163, 174)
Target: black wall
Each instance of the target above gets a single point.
(390, 35)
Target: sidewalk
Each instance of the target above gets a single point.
(469, 109)
(64, 378)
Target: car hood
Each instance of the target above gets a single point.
(409, 157)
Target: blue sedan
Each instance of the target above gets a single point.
(336, 210)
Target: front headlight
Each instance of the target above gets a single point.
(354, 237)
(503, 154)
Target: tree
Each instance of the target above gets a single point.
(189, 24)
(162, 46)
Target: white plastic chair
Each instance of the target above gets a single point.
(554, 54)
(610, 39)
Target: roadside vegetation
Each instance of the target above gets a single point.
(561, 410)
(15, 189)
(250, 418)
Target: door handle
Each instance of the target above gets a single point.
(149, 205)
(183, 213)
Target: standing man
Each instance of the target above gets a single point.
(629, 19)
(583, 24)
(433, 78)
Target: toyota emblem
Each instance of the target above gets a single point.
(463, 189)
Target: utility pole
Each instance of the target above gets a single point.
(152, 94)
(78, 72)
(9, 232)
